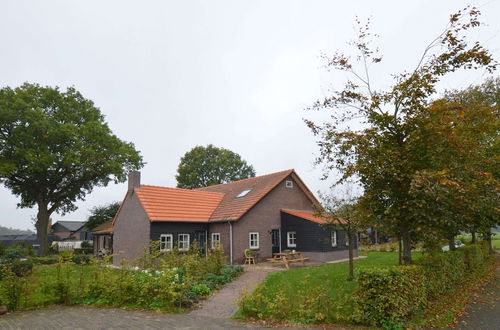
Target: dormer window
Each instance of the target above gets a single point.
(289, 183)
(244, 193)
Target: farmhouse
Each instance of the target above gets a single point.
(266, 214)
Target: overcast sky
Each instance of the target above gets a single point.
(170, 75)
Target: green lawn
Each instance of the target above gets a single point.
(329, 280)
(37, 286)
(495, 240)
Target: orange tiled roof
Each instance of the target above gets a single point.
(175, 204)
(310, 215)
(233, 208)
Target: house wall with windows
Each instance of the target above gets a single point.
(266, 216)
(195, 230)
(314, 238)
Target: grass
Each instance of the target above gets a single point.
(330, 279)
(495, 239)
(37, 294)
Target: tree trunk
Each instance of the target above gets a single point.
(451, 243)
(351, 258)
(42, 227)
(487, 238)
(400, 251)
(405, 235)
(473, 234)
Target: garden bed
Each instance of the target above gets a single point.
(169, 282)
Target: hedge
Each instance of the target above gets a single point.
(389, 297)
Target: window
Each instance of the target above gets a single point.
(215, 240)
(289, 183)
(291, 239)
(183, 242)
(334, 238)
(244, 193)
(166, 241)
(254, 240)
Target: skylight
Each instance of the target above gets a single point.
(244, 193)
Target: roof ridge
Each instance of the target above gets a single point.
(175, 188)
(254, 177)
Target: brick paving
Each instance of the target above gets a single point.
(224, 303)
(78, 317)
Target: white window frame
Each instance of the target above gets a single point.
(164, 241)
(257, 239)
(183, 241)
(214, 240)
(289, 239)
(289, 183)
(334, 238)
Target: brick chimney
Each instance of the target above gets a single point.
(134, 180)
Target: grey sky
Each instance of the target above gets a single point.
(170, 75)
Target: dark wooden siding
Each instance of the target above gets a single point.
(311, 236)
(175, 228)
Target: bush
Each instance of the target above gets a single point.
(81, 259)
(82, 250)
(86, 245)
(45, 260)
(390, 295)
(201, 290)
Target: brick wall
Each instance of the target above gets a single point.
(265, 216)
(131, 230)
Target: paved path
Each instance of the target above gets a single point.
(78, 317)
(483, 313)
(224, 303)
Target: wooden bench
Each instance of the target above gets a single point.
(286, 260)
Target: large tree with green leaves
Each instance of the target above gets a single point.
(206, 166)
(55, 147)
(380, 152)
(100, 214)
(459, 189)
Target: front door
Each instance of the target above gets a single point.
(275, 239)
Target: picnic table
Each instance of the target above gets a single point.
(287, 258)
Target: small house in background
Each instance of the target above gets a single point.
(266, 214)
(29, 239)
(103, 238)
(71, 231)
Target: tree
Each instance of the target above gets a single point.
(206, 166)
(55, 147)
(459, 189)
(101, 214)
(381, 153)
(341, 212)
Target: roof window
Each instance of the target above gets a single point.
(244, 193)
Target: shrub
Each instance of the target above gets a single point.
(86, 245)
(65, 256)
(82, 250)
(201, 290)
(81, 259)
(390, 295)
(21, 268)
(45, 260)
(11, 288)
